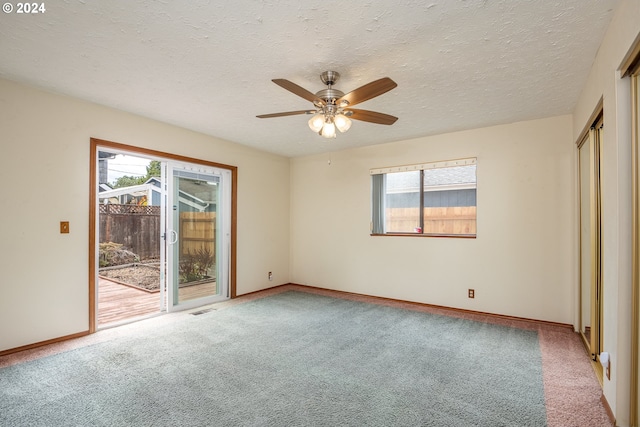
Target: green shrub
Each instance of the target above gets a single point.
(196, 266)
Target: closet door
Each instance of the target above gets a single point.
(591, 241)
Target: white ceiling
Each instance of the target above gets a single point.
(207, 65)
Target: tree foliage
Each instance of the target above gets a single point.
(153, 169)
(128, 181)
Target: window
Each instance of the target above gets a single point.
(428, 199)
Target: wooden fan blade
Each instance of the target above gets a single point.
(298, 90)
(288, 113)
(372, 116)
(368, 91)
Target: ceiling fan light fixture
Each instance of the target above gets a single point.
(316, 122)
(330, 105)
(328, 130)
(343, 123)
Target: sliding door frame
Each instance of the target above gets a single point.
(635, 236)
(177, 171)
(596, 241)
(591, 135)
(635, 246)
(630, 68)
(98, 144)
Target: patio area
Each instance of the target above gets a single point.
(117, 302)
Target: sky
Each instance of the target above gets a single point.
(126, 165)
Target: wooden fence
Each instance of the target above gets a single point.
(197, 232)
(135, 227)
(138, 229)
(442, 220)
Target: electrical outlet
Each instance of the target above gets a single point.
(270, 276)
(472, 293)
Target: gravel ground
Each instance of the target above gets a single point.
(139, 275)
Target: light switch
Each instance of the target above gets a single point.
(64, 227)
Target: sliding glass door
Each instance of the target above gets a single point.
(198, 235)
(168, 221)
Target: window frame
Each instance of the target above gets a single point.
(379, 211)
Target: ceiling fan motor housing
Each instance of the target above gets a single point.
(329, 77)
(330, 94)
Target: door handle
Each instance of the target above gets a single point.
(174, 236)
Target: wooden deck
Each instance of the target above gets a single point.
(118, 302)
(196, 291)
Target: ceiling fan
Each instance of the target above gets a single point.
(332, 108)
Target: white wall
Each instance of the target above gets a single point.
(604, 82)
(522, 262)
(44, 170)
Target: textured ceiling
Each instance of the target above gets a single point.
(207, 65)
